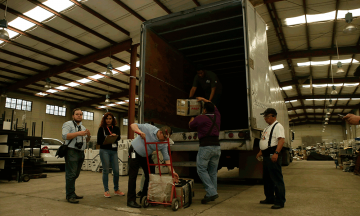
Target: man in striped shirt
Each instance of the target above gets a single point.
(75, 136)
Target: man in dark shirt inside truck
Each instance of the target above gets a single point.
(210, 84)
(207, 160)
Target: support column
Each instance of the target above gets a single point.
(132, 90)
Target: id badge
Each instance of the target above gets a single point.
(114, 145)
(133, 155)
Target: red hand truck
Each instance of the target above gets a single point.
(174, 200)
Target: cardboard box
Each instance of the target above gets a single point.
(188, 107)
(164, 169)
(123, 155)
(86, 152)
(123, 169)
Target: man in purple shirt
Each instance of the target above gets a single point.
(207, 160)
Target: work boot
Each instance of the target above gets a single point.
(78, 197)
(266, 202)
(73, 200)
(277, 206)
(213, 198)
(208, 199)
(133, 204)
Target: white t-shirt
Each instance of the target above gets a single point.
(277, 133)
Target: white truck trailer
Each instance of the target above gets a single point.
(228, 38)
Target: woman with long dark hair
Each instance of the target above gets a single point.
(108, 152)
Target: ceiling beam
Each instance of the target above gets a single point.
(102, 99)
(322, 107)
(313, 114)
(74, 64)
(64, 17)
(162, 6)
(16, 13)
(280, 35)
(314, 53)
(333, 97)
(322, 81)
(130, 10)
(25, 58)
(314, 123)
(96, 14)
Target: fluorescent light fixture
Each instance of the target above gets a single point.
(320, 99)
(97, 76)
(83, 80)
(286, 88)
(58, 5)
(61, 87)
(327, 62)
(320, 17)
(343, 98)
(42, 94)
(72, 84)
(292, 101)
(121, 102)
(277, 67)
(286, 101)
(102, 107)
(124, 68)
(319, 85)
(21, 24)
(51, 91)
(112, 104)
(351, 84)
(39, 14)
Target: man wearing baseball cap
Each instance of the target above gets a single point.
(271, 143)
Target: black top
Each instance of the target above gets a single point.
(209, 81)
(101, 137)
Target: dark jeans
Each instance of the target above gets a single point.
(273, 181)
(207, 162)
(109, 157)
(73, 162)
(134, 165)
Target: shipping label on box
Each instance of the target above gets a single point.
(188, 107)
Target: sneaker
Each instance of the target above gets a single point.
(107, 194)
(119, 193)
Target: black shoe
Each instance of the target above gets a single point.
(208, 199)
(79, 197)
(73, 200)
(139, 194)
(266, 202)
(213, 198)
(133, 204)
(277, 206)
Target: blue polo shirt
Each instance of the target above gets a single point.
(139, 145)
(69, 127)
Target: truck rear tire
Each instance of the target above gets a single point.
(286, 158)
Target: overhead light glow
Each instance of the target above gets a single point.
(42, 94)
(327, 62)
(112, 104)
(320, 99)
(137, 63)
(51, 91)
(102, 107)
(120, 102)
(21, 24)
(97, 76)
(61, 88)
(124, 68)
(292, 101)
(286, 88)
(343, 98)
(83, 80)
(58, 5)
(351, 84)
(320, 17)
(72, 84)
(277, 67)
(39, 14)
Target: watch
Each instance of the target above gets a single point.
(276, 152)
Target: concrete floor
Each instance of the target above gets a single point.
(312, 188)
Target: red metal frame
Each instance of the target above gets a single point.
(173, 190)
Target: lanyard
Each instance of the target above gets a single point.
(109, 129)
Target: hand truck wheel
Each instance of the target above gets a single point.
(26, 178)
(175, 204)
(144, 202)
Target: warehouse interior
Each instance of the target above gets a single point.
(58, 55)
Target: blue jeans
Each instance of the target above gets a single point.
(109, 157)
(207, 161)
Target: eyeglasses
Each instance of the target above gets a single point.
(268, 116)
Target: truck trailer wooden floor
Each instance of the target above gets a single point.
(312, 188)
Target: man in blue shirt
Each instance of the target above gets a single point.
(75, 136)
(137, 157)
